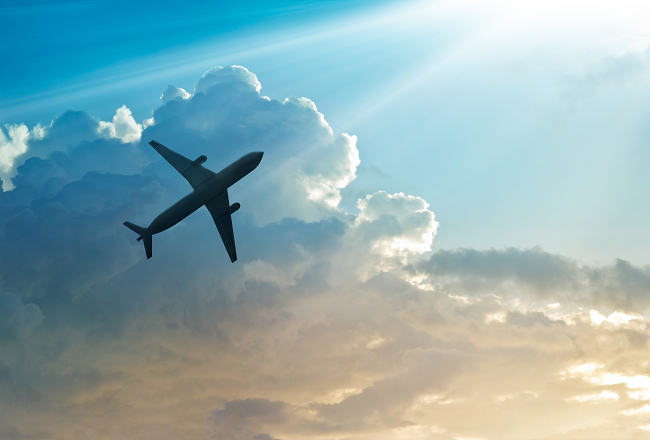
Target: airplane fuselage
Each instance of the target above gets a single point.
(207, 191)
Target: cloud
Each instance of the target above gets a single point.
(330, 325)
(68, 243)
(380, 405)
(387, 230)
(12, 145)
(37, 172)
(17, 319)
(123, 126)
(612, 70)
(485, 268)
(66, 131)
(173, 92)
(516, 272)
(237, 76)
(239, 418)
(305, 165)
(414, 229)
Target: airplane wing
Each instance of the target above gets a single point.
(191, 170)
(219, 207)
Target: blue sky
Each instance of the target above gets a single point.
(446, 239)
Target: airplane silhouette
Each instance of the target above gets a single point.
(210, 189)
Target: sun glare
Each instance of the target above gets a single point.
(622, 23)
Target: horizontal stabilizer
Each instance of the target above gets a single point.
(136, 228)
(145, 236)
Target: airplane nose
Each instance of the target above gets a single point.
(258, 156)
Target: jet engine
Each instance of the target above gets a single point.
(199, 160)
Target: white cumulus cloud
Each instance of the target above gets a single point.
(222, 75)
(122, 127)
(13, 144)
(173, 92)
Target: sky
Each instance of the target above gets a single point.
(446, 238)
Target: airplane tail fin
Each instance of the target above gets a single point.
(145, 236)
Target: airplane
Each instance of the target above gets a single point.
(209, 189)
